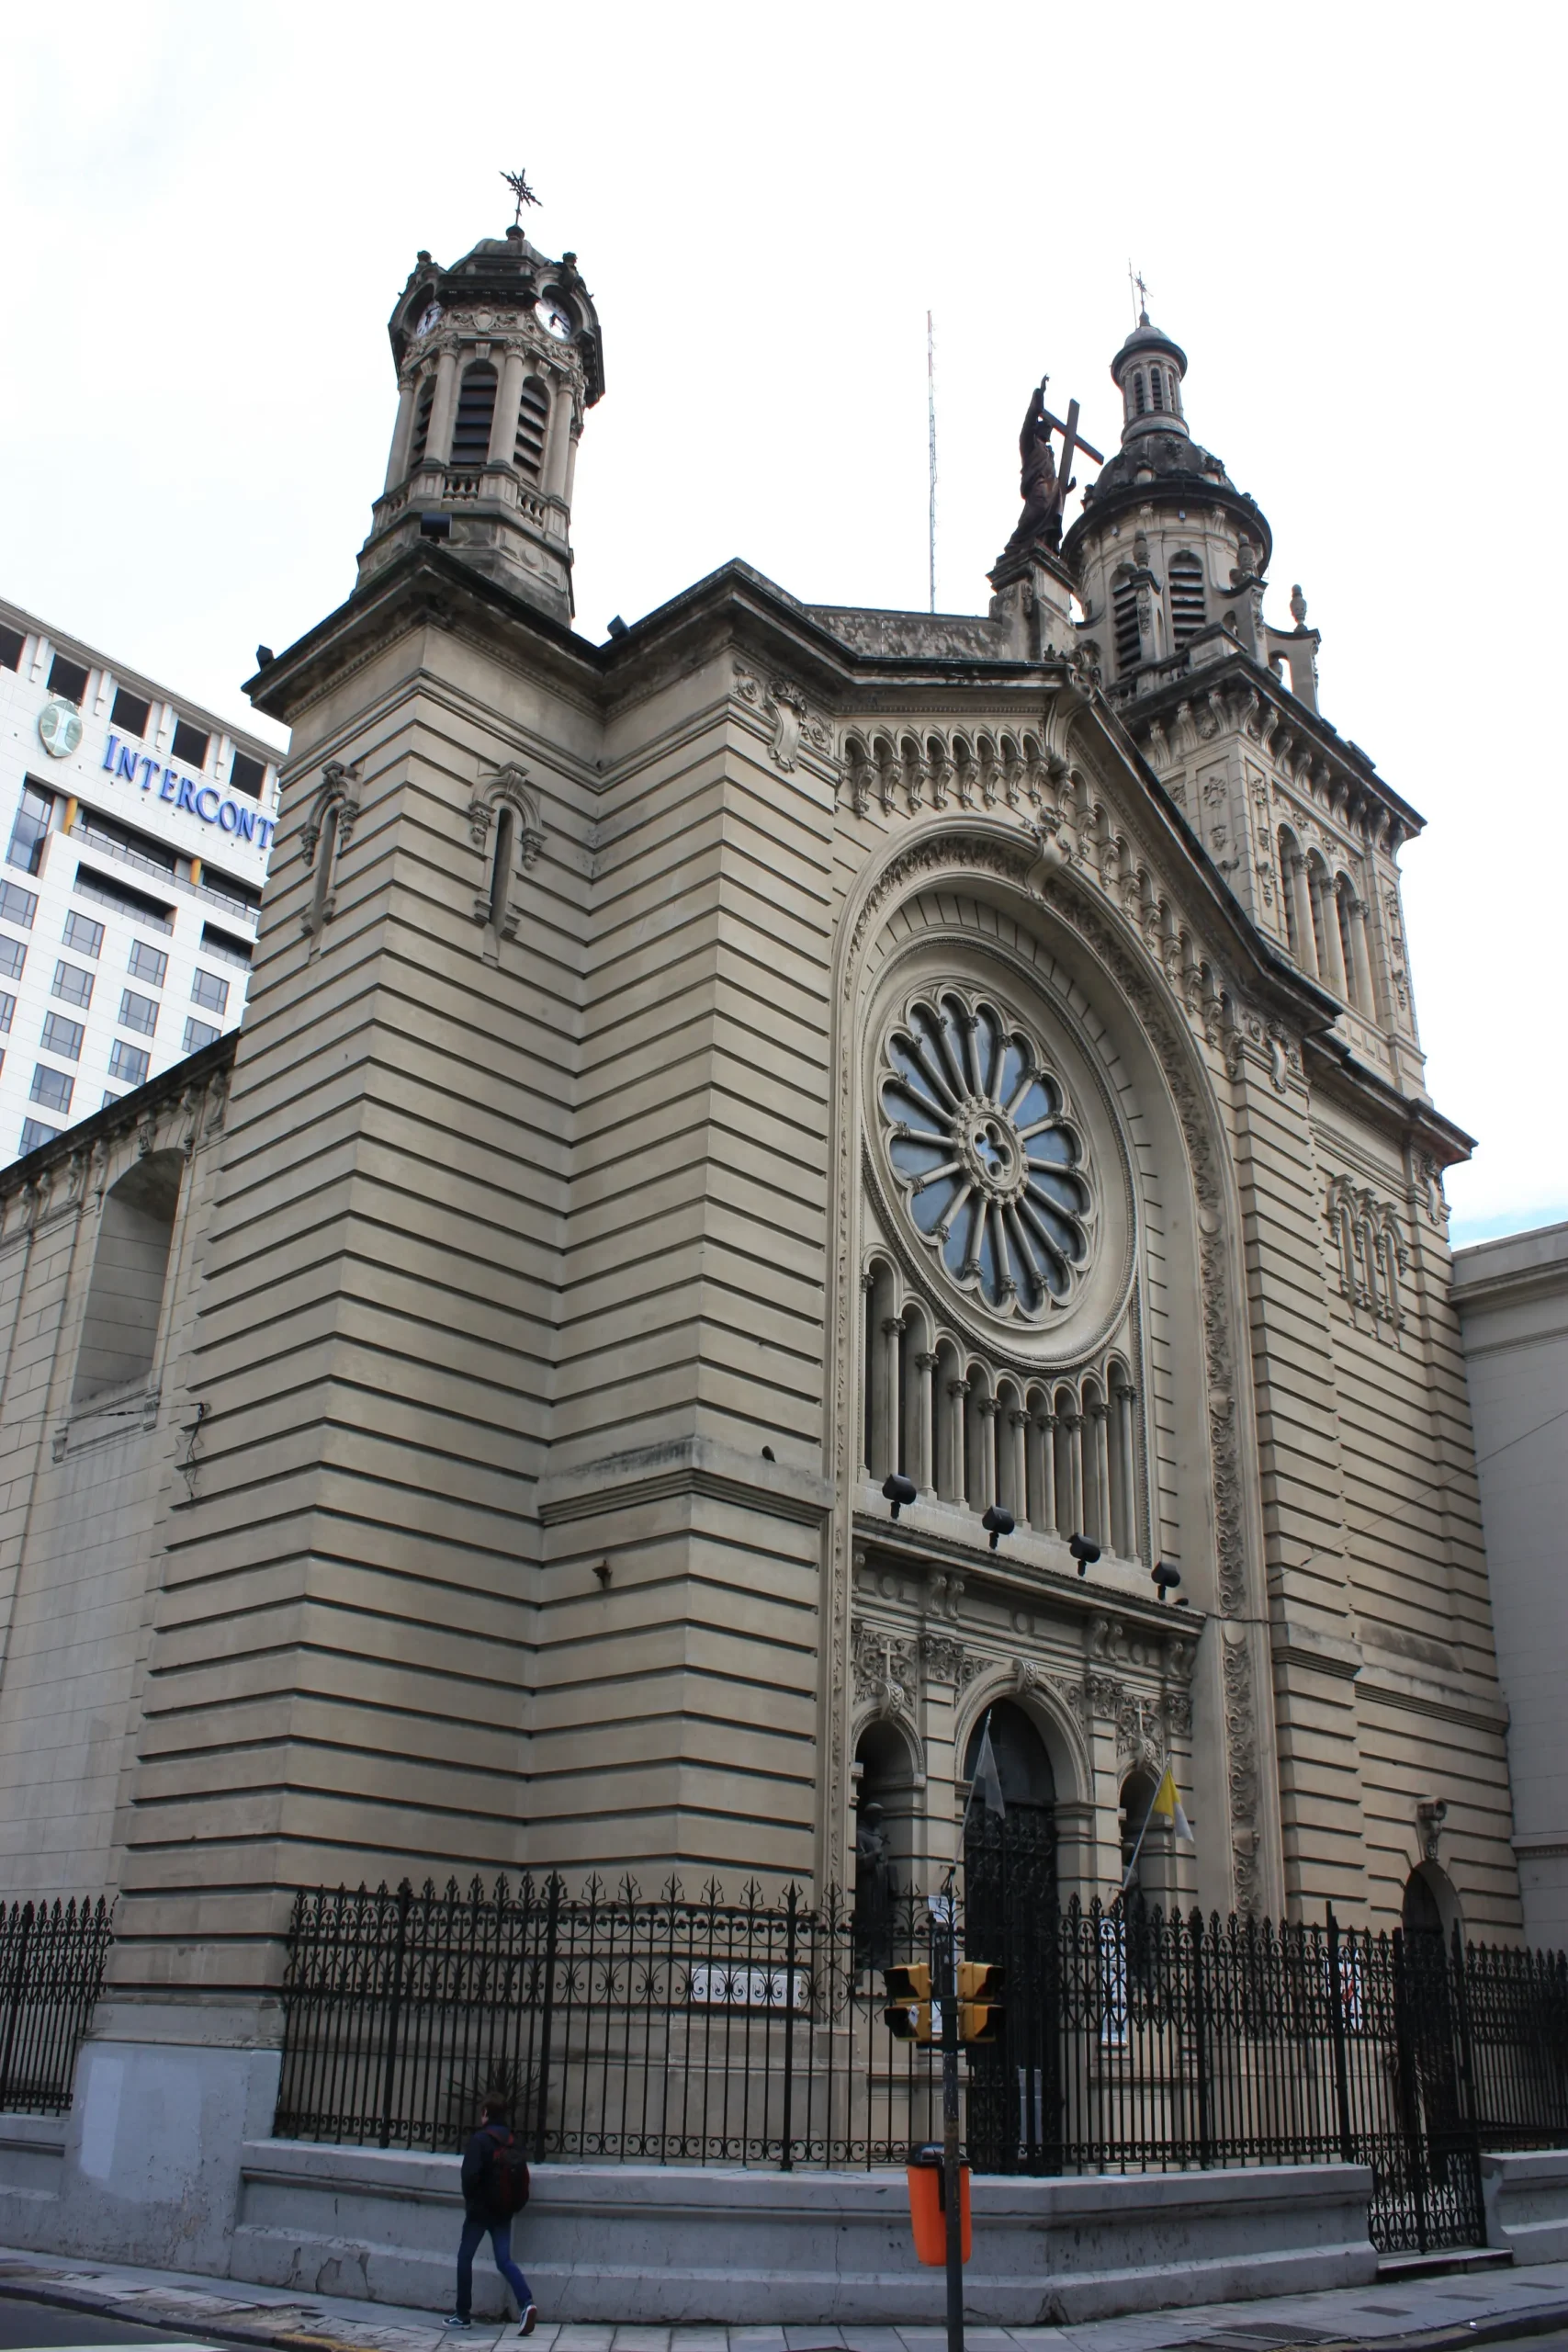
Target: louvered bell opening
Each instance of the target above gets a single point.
(1157, 390)
(1139, 403)
(421, 421)
(1124, 611)
(533, 417)
(476, 409)
(1188, 612)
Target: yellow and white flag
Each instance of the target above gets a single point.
(1167, 1804)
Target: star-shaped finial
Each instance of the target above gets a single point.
(518, 183)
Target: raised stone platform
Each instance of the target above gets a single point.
(668, 2244)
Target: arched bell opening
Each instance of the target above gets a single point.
(885, 1836)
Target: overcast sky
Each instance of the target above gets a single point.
(1349, 216)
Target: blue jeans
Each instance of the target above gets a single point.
(474, 2228)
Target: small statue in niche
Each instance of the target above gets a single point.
(877, 1889)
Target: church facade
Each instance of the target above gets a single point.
(697, 1092)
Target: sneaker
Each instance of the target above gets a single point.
(529, 2322)
(458, 2319)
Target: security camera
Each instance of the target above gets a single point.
(900, 1490)
(997, 1523)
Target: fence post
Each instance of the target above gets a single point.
(552, 1929)
(13, 2005)
(1200, 2042)
(791, 1903)
(1407, 2087)
(394, 2012)
(1337, 2027)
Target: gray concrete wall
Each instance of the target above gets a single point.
(1511, 1297)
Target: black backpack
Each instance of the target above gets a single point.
(506, 2178)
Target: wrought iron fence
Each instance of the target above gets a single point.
(52, 1972)
(693, 2029)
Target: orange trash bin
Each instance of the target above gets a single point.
(927, 2205)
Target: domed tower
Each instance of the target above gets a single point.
(1165, 548)
(497, 359)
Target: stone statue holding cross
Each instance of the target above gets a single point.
(1043, 487)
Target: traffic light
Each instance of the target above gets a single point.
(909, 2012)
(980, 2014)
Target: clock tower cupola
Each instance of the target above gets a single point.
(497, 359)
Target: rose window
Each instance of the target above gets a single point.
(991, 1167)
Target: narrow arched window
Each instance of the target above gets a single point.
(1343, 894)
(326, 851)
(501, 867)
(533, 422)
(421, 421)
(1287, 854)
(130, 1265)
(1188, 609)
(1157, 389)
(476, 411)
(1139, 401)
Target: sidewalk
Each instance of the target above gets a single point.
(1483, 2307)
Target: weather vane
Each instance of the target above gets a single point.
(1140, 293)
(518, 183)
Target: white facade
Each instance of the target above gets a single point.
(134, 831)
(1512, 1300)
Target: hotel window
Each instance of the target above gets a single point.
(63, 1036)
(8, 1007)
(68, 679)
(73, 984)
(34, 1132)
(200, 1034)
(13, 956)
(138, 1011)
(130, 1063)
(131, 715)
(11, 644)
(207, 988)
(53, 1088)
(84, 934)
(247, 775)
(190, 745)
(17, 906)
(224, 942)
(149, 963)
(30, 829)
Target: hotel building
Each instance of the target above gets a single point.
(135, 827)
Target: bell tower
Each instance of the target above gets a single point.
(498, 361)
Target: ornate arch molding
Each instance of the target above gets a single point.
(327, 829)
(1053, 1704)
(995, 851)
(507, 788)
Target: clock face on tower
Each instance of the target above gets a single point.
(555, 318)
(430, 318)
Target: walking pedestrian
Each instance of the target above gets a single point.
(495, 2189)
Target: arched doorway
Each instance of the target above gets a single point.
(885, 1830)
(1140, 1880)
(1011, 1917)
(1430, 1907)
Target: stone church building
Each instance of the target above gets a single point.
(686, 1081)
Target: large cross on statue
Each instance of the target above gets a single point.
(1072, 439)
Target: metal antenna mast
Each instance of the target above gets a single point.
(931, 418)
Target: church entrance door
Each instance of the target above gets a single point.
(1009, 1914)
